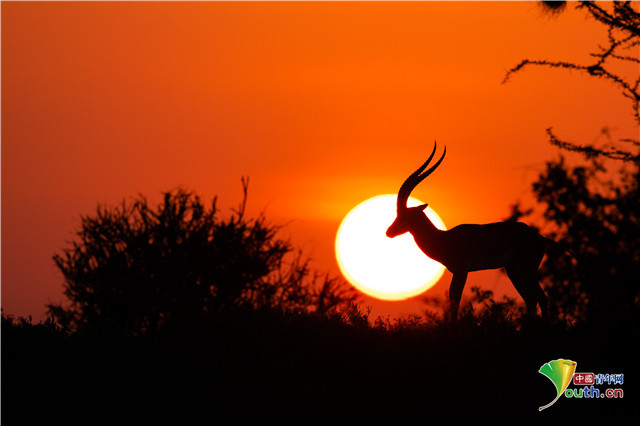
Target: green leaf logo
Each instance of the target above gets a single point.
(560, 372)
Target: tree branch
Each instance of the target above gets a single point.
(591, 151)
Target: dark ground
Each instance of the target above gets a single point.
(249, 367)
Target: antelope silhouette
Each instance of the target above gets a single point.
(514, 246)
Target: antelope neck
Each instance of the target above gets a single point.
(427, 237)
(426, 227)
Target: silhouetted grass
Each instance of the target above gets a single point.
(263, 366)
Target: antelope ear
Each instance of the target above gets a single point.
(424, 206)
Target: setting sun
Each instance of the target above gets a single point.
(385, 268)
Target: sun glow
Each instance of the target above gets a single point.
(382, 267)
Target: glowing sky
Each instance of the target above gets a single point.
(323, 105)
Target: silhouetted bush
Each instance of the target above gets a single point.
(599, 223)
(135, 268)
(593, 208)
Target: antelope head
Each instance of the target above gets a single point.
(408, 217)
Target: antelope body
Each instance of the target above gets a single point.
(466, 248)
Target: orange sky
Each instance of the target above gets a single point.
(323, 105)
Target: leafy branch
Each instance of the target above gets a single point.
(623, 31)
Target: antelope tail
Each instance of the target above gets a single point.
(556, 248)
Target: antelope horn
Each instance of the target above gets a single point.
(416, 177)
